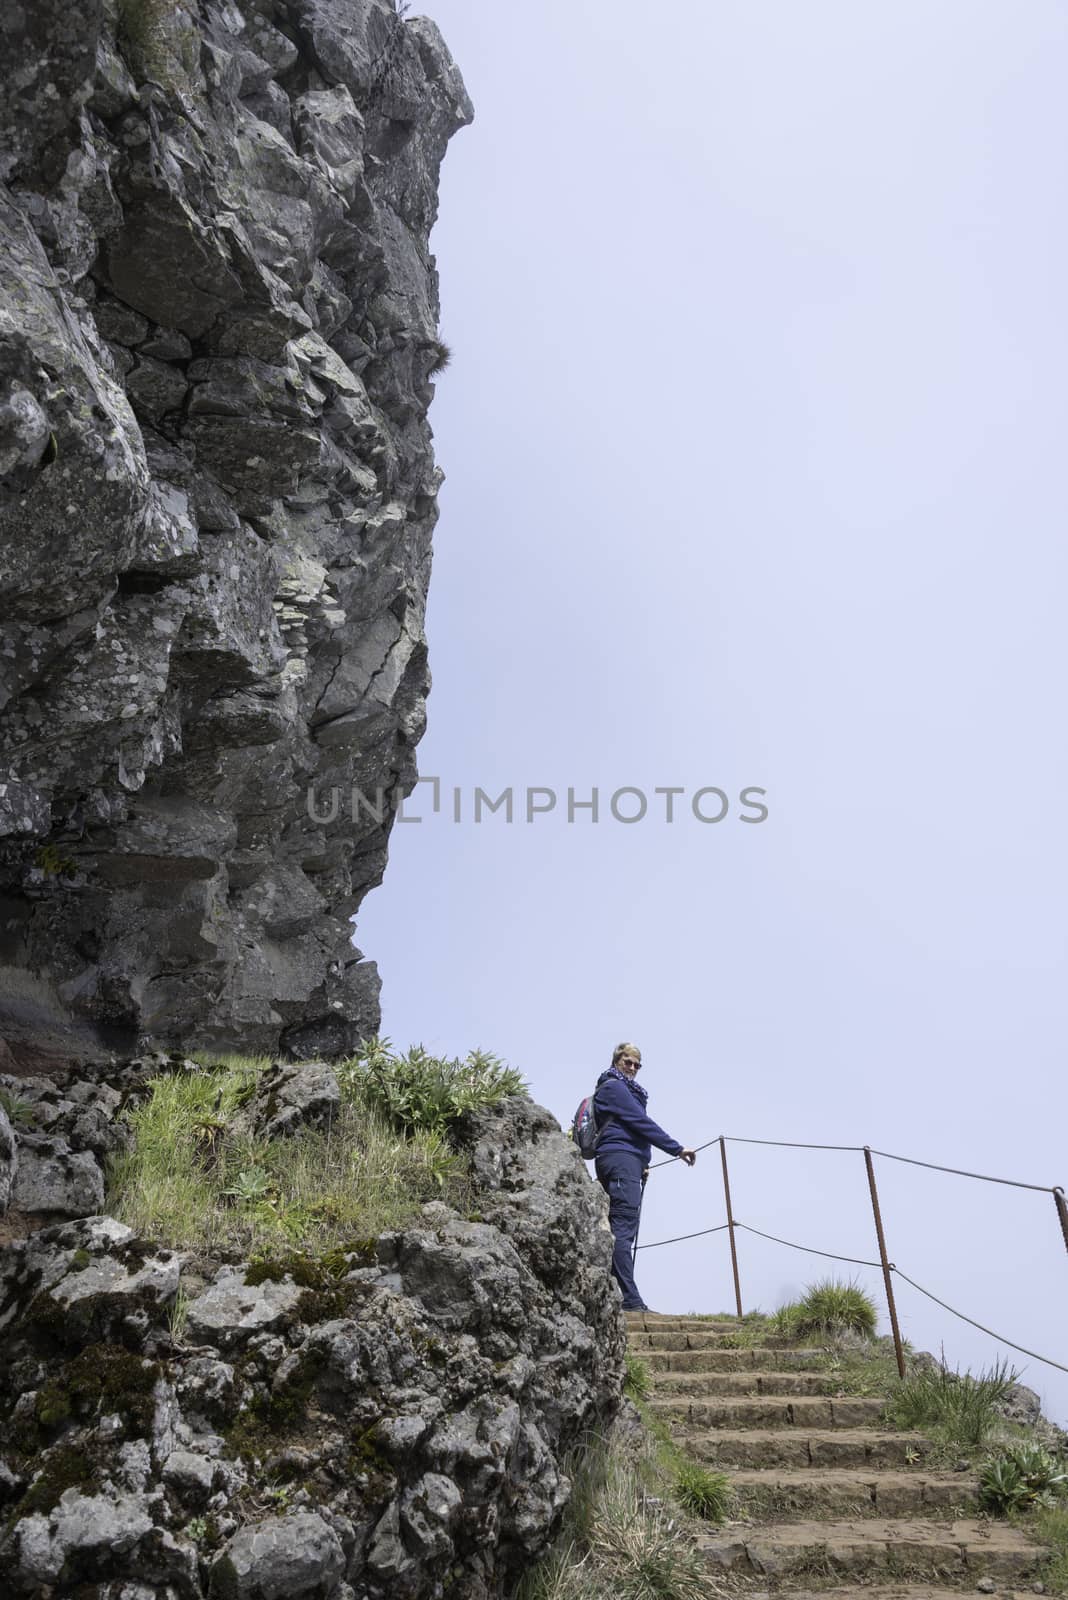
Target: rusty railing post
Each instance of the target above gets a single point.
(899, 1353)
(730, 1226)
(1062, 1211)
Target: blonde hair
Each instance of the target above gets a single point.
(626, 1050)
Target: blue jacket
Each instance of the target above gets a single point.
(619, 1103)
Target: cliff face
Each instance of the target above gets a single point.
(218, 326)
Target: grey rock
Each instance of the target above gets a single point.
(387, 1558)
(290, 1096)
(52, 1178)
(231, 1311)
(428, 1510)
(83, 1532)
(9, 1160)
(1021, 1405)
(294, 1556)
(86, 1279)
(191, 1476)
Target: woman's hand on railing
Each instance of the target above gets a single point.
(689, 1156)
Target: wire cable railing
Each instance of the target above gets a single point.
(884, 1264)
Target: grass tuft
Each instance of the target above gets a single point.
(635, 1377)
(831, 1307)
(442, 358)
(618, 1541)
(705, 1493)
(1050, 1526)
(956, 1408)
(20, 1112)
(194, 1178)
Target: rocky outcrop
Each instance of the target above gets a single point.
(218, 330)
(388, 1423)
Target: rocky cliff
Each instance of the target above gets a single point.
(218, 333)
(387, 1421)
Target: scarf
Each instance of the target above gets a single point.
(640, 1094)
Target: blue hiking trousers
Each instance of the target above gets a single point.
(619, 1172)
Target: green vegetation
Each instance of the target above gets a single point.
(954, 1408)
(1050, 1527)
(103, 1377)
(635, 1377)
(419, 1092)
(442, 358)
(866, 1371)
(53, 863)
(1021, 1477)
(195, 1177)
(619, 1542)
(670, 1471)
(827, 1308)
(702, 1491)
(20, 1113)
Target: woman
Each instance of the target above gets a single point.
(623, 1149)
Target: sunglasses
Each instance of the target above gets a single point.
(628, 1061)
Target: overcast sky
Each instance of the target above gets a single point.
(756, 478)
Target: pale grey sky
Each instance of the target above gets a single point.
(753, 440)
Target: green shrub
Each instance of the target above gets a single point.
(705, 1493)
(957, 1407)
(1021, 1477)
(830, 1307)
(635, 1377)
(421, 1092)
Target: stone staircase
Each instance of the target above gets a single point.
(829, 1502)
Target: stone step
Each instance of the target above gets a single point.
(681, 1340)
(948, 1551)
(838, 1492)
(804, 1411)
(653, 1323)
(722, 1359)
(803, 1448)
(697, 1384)
(876, 1591)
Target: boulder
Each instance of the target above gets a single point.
(290, 1096)
(295, 1556)
(85, 1279)
(52, 1178)
(231, 1311)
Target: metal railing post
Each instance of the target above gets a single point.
(1062, 1212)
(899, 1353)
(730, 1227)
